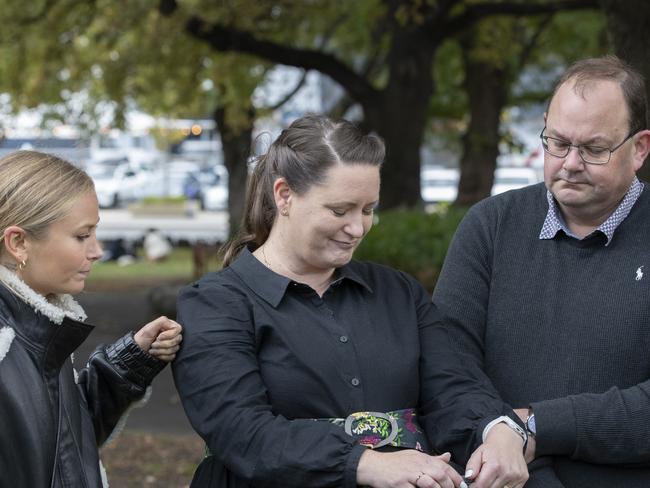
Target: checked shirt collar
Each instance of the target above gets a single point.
(554, 222)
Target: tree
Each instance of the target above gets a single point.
(628, 28)
(487, 84)
(168, 73)
(133, 56)
(506, 62)
(496, 54)
(236, 124)
(381, 52)
(396, 107)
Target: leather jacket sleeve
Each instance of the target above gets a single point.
(115, 376)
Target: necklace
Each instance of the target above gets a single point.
(268, 265)
(266, 261)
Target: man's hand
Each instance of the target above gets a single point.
(499, 461)
(160, 338)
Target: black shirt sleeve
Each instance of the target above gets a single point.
(460, 398)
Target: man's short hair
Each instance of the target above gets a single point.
(611, 68)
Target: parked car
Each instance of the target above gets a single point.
(173, 180)
(188, 178)
(439, 184)
(116, 185)
(215, 188)
(512, 178)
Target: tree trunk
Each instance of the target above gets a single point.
(487, 88)
(236, 144)
(627, 24)
(401, 171)
(399, 115)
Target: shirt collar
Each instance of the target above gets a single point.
(348, 272)
(268, 285)
(271, 286)
(554, 222)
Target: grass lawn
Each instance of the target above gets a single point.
(143, 460)
(177, 268)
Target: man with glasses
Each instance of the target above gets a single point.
(544, 337)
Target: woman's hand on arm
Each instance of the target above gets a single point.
(160, 338)
(406, 469)
(499, 461)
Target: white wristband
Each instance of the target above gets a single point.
(510, 423)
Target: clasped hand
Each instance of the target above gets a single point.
(407, 468)
(161, 338)
(498, 462)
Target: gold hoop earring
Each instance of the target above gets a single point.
(22, 265)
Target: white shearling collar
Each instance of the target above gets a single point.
(7, 335)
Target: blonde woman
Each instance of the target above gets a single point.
(52, 418)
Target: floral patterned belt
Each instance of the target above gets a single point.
(399, 428)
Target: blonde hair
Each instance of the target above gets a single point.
(37, 189)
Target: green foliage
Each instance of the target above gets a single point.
(528, 51)
(131, 54)
(571, 36)
(449, 99)
(123, 56)
(412, 241)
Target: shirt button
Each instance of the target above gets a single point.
(343, 339)
(355, 381)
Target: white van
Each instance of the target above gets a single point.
(439, 184)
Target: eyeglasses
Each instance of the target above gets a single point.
(589, 153)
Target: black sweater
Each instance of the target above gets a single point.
(562, 325)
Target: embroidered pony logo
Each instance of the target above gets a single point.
(639, 273)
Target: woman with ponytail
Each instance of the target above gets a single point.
(301, 367)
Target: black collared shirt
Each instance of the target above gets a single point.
(263, 355)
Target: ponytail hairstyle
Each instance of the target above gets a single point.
(302, 154)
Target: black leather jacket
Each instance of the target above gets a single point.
(51, 422)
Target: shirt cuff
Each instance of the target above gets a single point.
(556, 427)
(350, 474)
